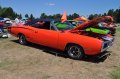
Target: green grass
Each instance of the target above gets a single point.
(46, 77)
(118, 29)
(116, 74)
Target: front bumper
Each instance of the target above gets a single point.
(0, 34)
(107, 44)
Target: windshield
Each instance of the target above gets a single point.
(63, 26)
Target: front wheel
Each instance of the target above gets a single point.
(22, 39)
(75, 52)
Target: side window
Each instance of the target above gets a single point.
(46, 25)
(36, 25)
(40, 25)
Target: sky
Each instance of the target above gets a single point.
(82, 7)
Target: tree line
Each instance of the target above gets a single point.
(115, 13)
(7, 12)
(10, 13)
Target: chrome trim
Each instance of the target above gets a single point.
(53, 25)
(106, 45)
(109, 43)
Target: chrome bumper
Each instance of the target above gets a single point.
(107, 44)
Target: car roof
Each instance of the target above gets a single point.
(38, 20)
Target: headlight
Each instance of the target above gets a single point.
(106, 45)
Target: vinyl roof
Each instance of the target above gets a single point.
(38, 20)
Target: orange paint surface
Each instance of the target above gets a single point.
(57, 39)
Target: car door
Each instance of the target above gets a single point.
(47, 37)
(30, 33)
(43, 35)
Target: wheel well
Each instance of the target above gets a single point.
(74, 44)
(19, 34)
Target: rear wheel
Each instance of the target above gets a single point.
(22, 39)
(75, 52)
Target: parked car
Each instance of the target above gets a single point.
(2, 22)
(7, 22)
(3, 34)
(2, 19)
(0, 33)
(66, 38)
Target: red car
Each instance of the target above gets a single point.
(47, 33)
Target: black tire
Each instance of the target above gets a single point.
(22, 39)
(75, 52)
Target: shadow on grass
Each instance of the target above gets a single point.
(98, 58)
(93, 59)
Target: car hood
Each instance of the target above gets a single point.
(91, 22)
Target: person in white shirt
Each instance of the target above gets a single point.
(17, 20)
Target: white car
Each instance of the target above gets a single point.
(8, 21)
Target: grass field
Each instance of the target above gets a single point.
(36, 62)
(115, 74)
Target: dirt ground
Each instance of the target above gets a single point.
(36, 62)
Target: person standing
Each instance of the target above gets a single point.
(17, 20)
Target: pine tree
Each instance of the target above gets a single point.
(43, 16)
(26, 16)
(110, 12)
(31, 16)
(75, 15)
(91, 17)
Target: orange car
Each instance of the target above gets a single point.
(49, 33)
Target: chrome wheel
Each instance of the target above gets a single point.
(75, 52)
(22, 40)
